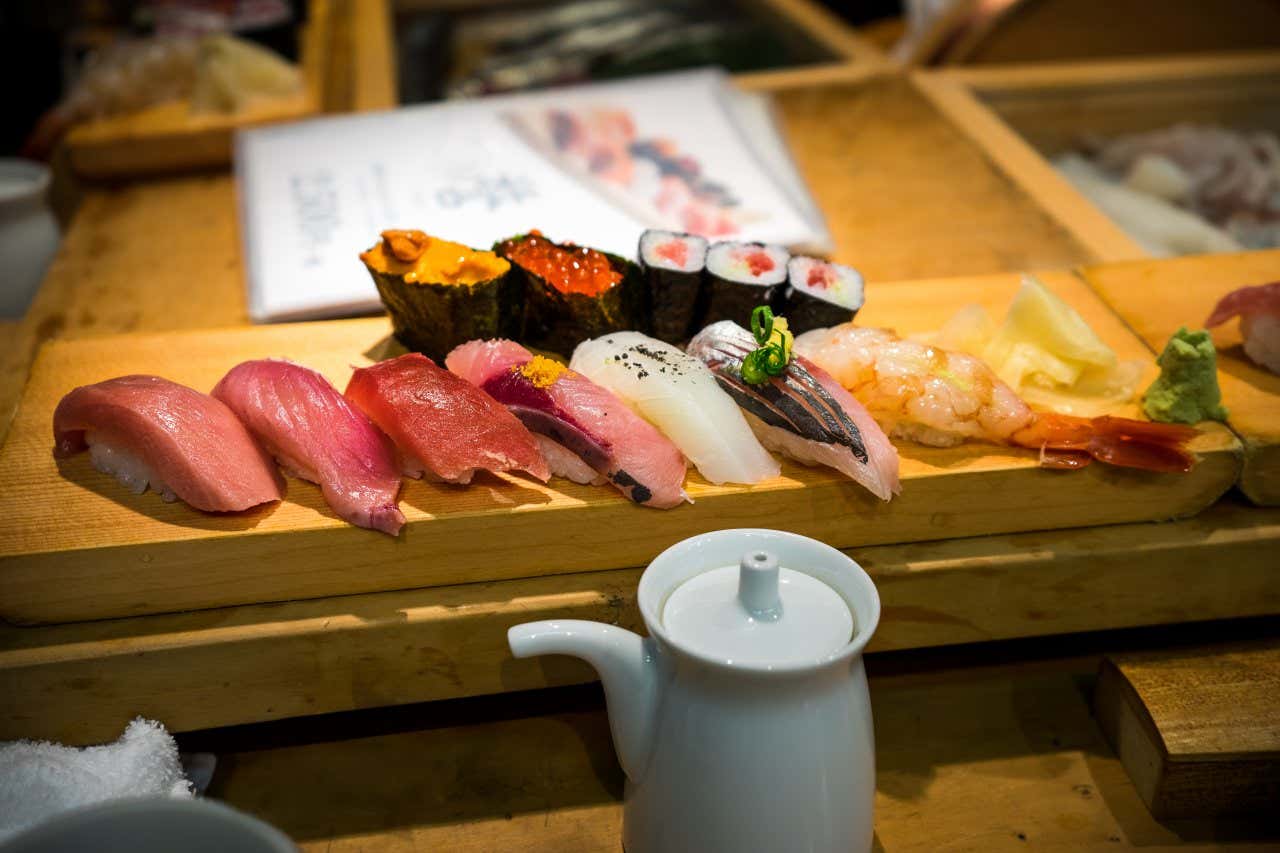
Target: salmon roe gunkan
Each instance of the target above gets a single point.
(568, 268)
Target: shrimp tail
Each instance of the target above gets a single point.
(1071, 442)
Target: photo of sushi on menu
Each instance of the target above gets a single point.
(603, 162)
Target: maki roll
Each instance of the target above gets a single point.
(441, 294)
(741, 276)
(673, 265)
(820, 294)
(572, 293)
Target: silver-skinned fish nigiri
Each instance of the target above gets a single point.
(802, 413)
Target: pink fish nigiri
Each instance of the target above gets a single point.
(148, 431)
(442, 425)
(1259, 310)
(584, 427)
(317, 435)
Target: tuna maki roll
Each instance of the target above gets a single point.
(441, 294)
(741, 276)
(572, 293)
(820, 294)
(673, 265)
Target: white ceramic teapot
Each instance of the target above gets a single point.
(743, 721)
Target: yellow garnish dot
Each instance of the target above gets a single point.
(542, 371)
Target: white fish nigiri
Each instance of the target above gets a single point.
(679, 395)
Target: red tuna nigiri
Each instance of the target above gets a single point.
(442, 424)
(581, 422)
(1259, 310)
(149, 431)
(316, 434)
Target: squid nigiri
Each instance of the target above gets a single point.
(150, 432)
(803, 414)
(585, 432)
(441, 424)
(678, 394)
(1259, 310)
(317, 435)
(942, 398)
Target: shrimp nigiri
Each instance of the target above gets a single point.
(941, 398)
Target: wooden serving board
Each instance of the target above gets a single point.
(82, 683)
(78, 546)
(1155, 298)
(1198, 729)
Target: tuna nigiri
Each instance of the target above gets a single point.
(803, 413)
(585, 431)
(1259, 310)
(318, 436)
(148, 431)
(442, 425)
(679, 395)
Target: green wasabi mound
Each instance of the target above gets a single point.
(1186, 392)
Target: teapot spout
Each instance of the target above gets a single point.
(627, 665)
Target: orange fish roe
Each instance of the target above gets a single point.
(569, 269)
(541, 371)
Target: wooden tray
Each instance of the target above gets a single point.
(168, 137)
(1155, 298)
(1198, 729)
(1022, 115)
(105, 552)
(83, 682)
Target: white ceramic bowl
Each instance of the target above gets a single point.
(152, 826)
(28, 233)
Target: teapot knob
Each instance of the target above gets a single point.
(758, 585)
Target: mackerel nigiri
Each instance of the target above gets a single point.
(442, 425)
(679, 395)
(587, 433)
(317, 435)
(148, 431)
(804, 413)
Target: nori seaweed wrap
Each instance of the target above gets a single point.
(820, 294)
(673, 264)
(572, 293)
(741, 276)
(441, 294)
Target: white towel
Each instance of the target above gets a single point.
(39, 779)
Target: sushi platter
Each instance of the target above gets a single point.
(172, 136)
(1030, 119)
(1187, 291)
(129, 554)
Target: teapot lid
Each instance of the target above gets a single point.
(758, 613)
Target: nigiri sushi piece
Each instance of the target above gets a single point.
(803, 414)
(578, 423)
(318, 436)
(443, 426)
(941, 398)
(148, 431)
(679, 395)
(1258, 308)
